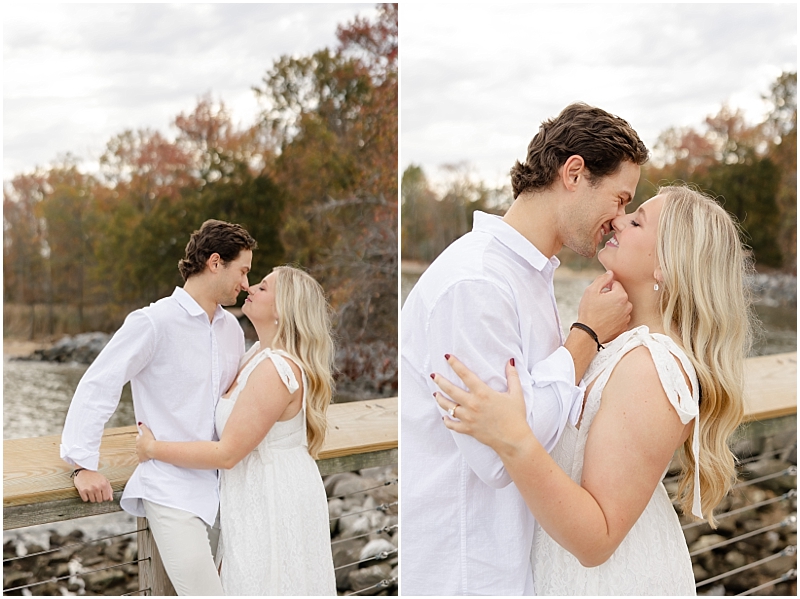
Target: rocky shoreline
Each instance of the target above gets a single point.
(774, 289)
(365, 370)
(364, 533)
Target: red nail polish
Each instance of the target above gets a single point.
(447, 356)
(433, 376)
(139, 423)
(434, 394)
(512, 361)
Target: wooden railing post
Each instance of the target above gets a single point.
(152, 575)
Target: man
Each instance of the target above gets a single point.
(486, 299)
(180, 355)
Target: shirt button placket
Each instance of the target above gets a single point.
(215, 375)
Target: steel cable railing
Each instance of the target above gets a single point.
(351, 579)
(761, 515)
(383, 583)
(71, 548)
(83, 573)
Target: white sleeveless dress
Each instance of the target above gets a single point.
(653, 559)
(274, 529)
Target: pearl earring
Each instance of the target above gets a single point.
(655, 287)
(276, 321)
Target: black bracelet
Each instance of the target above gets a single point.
(589, 331)
(74, 472)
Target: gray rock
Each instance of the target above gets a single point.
(376, 548)
(706, 541)
(735, 559)
(346, 553)
(99, 581)
(364, 578)
(335, 509)
(771, 540)
(718, 590)
(692, 534)
(82, 348)
(351, 485)
(14, 579)
(49, 589)
(354, 525)
(331, 480)
(699, 572)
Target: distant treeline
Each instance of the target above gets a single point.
(751, 170)
(314, 180)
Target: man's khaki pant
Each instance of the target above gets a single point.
(187, 546)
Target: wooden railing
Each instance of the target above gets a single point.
(37, 488)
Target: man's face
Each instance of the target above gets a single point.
(594, 207)
(232, 278)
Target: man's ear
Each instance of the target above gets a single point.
(214, 262)
(572, 171)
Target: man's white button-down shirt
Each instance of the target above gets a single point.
(487, 298)
(179, 364)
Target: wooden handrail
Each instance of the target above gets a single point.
(770, 386)
(37, 487)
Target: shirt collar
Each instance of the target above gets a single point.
(188, 303)
(514, 240)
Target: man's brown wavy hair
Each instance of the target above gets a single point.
(214, 237)
(603, 140)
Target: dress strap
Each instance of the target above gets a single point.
(254, 356)
(685, 402)
(279, 358)
(284, 371)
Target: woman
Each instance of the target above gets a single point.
(275, 536)
(605, 524)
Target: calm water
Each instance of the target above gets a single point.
(36, 395)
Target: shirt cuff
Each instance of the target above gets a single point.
(558, 370)
(79, 457)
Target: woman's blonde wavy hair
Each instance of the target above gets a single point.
(706, 307)
(304, 332)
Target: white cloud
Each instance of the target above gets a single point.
(74, 75)
(478, 79)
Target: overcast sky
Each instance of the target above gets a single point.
(476, 80)
(75, 75)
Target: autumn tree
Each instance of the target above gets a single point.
(335, 115)
(433, 219)
(24, 252)
(750, 168)
(781, 133)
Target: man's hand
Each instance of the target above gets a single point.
(144, 443)
(605, 308)
(93, 486)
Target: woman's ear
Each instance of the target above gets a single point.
(658, 275)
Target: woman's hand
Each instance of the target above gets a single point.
(144, 443)
(493, 418)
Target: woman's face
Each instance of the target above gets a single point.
(260, 302)
(631, 251)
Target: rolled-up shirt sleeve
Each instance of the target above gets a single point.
(478, 323)
(100, 388)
